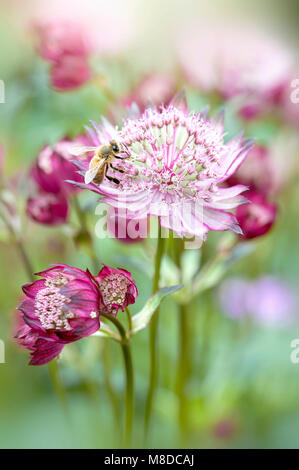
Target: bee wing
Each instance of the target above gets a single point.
(92, 172)
(80, 151)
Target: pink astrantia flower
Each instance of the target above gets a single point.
(176, 164)
(47, 208)
(60, 308)
(117, 288)
(256, 218)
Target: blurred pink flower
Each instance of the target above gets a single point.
(48, 208)
(225, 429)
(257, 172)
(257, 217)
(268, 300)
(235, 60)
(64, 44)
(57, 39)
(60, 308)
(70, 73)
(177, 162)
(117, 289)
(93, 26)
(53, 167)
(49, 203)
(156, 88)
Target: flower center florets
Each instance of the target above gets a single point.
(114, 289)
(171, 152)
(51, 306)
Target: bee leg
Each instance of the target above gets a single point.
(119, 158)
(117, 169)
(109, 178)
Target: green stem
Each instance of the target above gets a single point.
(129, 396)
(57, 385)
(154, 338)
(112, 396)
(183, 371)
(129, 317)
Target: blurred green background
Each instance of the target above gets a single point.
(242, 373)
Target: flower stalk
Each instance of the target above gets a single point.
(154, 337)
(129, 395)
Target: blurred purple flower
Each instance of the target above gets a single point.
(232, 296)
(257, 217)
(272, 302)
(268, 300)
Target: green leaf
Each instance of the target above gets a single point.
(142, 319)
(190, 263)
(214, 270)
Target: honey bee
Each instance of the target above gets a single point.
(102, 161)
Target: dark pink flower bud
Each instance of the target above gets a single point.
(54, 166)
(47, 208)
(60, 308)
(70, 73)
(257, 217)
(118, 289)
